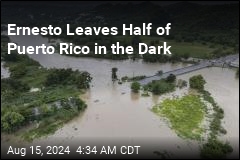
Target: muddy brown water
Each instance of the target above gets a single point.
(115, 112)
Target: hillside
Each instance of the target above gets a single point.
(191, 22)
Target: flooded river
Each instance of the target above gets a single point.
(114, 112)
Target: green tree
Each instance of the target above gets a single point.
(186, 55)
(159, 73)
(81, 105)
(82, 80)
(114, 73)
(171, 78)
(135, 86)
(11, 121)
(197, 82)
(161, 87)
(58, 76)
(13, 85)
(68, 76)
(215, 149)
(156, 88)
(18, 71)
(13, 57)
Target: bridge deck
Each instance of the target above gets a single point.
(201, 65)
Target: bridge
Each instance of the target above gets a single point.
(219, 62)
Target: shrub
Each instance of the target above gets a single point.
(11, 121)
(171, 78)
(135, 86)
(13, 84)
(197, 82)
(215, 149)
(161, 87)
(68, 76)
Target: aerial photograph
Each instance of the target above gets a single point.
(120, 79)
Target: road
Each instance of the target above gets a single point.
(219, 62)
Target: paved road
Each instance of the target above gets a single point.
(221, 62)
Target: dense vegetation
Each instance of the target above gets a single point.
(162, 86)
(68, 77)
(54, 101)
(197, 82)
(135, 86)
(214, 33)
(213, 148)
(11, 121)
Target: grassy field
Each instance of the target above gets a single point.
(195, 49)
(184, 114)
